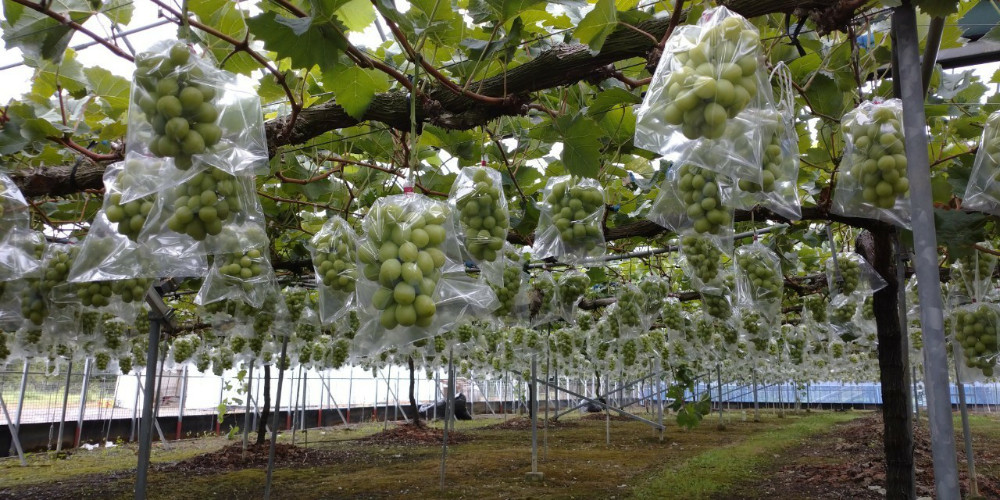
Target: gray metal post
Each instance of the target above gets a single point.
(904, 23)
(274, 421)
(62, 420)
(156, 423)
(294, 410)
(83, 403)
(15, 439)
(146, 424)
(20, 400)
(659, 396)
(756, 402)
(545, 424)
(718, 374)
(350, 387)
(534, 418)
(180, 409)
(447, 417)
(388, 377)
(970, 459)
(334, 400)
(246, 413)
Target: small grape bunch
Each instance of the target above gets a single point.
(773, 163)
(976, 331)
(241, 268)
(35, 296)
(572, 286)
(222, 361)
(89, 320)
(113, 330)
(629, 352)
(764, 282)
(184, 347)
(334, 259)
(295, 301)
(699, 190)
(627, 307)
(200, 206)
(102, 359)
(672, 316)
(716, 304)
(850, 272)
(466, 332)
(179, 104)
(573, 206)
(507, 294)
(703, 257)
(868, 308)
(713, 80)
(129, 217)
(203, 361)
(751, 322)
(837, 349)
(544, 290)
(878, 159)
(131, 290)
(654, 292)
(95, 293)
(403, 254)
(817, 306)
(306, 331)
(483, 216)
(565, 342)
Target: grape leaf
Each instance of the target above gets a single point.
(607, 99)
(581, 152)
(307, 44)
(120, 11)
(355, 88)
(595, 27)
(226, 17)
(356, 14)
(111, 89)
(38, 35)
(67, 73)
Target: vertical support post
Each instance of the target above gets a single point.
(904, 23)
(545, 424)
(146, 424)
(756, 401)
(388, 377)
(15, 439)
(274, 422)
(659, 395)
(180, 404)
(916, 397)
(350, 387)
(970, 459)
(83, 403)
(62, 420)
(534, 418)
(294, 407)
(246, 412)
(20, 401)
(718, 374)
(218, 408)
(447, 419)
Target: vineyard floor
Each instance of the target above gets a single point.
(803, 455)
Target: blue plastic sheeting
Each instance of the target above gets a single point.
(833, 393)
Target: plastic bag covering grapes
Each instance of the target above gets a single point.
(37, 293)
(478, 201)
(185, 110)
(975, 272)
(756, 328)
(511, 288)
(570, 288)
(13, 206)
(872, 181)
(976, 334)
(844, 318)
(855, 274)
(759, 280)
(706, 76)
(20, 250)
(628, 312)
(542, 297)
(692, 197)
(655, 290)
(570, 227)
(983, 190)
(334, 256)
(241, 270)
(411, 267)
(779, 158)
(704, 258)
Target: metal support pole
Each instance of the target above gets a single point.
(20, 401)
(246, 412)
(218, 409)
(62, 421)
(970, 459)
(718, 375)
(180, 404)
(334, 400)
(388, 377)
(146, 424)
(83, 403)
(274, 422)
(756, 401)
(907, 42)
(534, 417)
(545, 424)
(350, 387)
(15, 439)
(659, 395)
(294, 410)
(447, 418)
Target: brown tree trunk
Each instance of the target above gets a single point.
(266, 411)
(877, 247)
(413, 400)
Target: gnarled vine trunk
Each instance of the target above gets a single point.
(266, 411)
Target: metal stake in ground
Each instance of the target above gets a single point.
(659, 395)
(970, 459)
(534, 475)
(20, 401)
(274, 421)
(146, 424)
(756, 403)
(447, 417)
(14, 433)
(83, 403)
(180, 404)
(62, 421)
(246, 413)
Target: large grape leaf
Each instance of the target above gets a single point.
(67, 73)
(38, 35)
(306, 43)
(356, 14)
(120, 11)
(111, 89)
(355, 87)
(581, 152)
(482, 11)
(595, 27)
(226, 17)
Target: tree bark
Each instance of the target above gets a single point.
(413, 400)
(265, 413)
(877, 247)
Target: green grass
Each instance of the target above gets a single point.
(718, 469)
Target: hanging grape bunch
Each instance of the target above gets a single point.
(335, 262)
(240, 268)
(295, 302)
(817, 306)
(572, 286)
(35, 296)
(878, 160)
(976, 330)
(702, 256)
(573, 207)
(772, 165)
(654, 292)
(201, 205)
(627, 307)
(713, 80)
(543, 290)
(868, 308)
(180, 106)
(716, 304)
(483, 217)
(629, 350)
(403, 255)
(113, 330)
(184, 347)
(752, 323)
(131, 290)
(507, 294)
(764, 282)
(672, 317)
(699, 190)
(850, 273)
(89, 321)
(129, 217)
(95, 293)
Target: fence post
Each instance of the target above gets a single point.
(62, 421)
(180, 411)
(87, 366)
(20, 402)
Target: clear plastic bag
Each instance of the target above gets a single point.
(20, 253)
(511, 289)
(36, 295)
(759, 280)
(855, 274)
(478, 201)
(708, 74)
(542, 297)
(977, 333)
(570, 288)
(13, 206)
(187, 111)
(872, 181)
(570, 226)
(692, 197)
(983, 190)
(628, 312)
(655, 290)
(844, 317)
(704, 258)
(975, 272)
(334, 257)
(243, 271)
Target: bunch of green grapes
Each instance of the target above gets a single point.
(917, 339)
(131, 290)
(201, 205)
(564, 342)
(180, 108)
(222, 361)
(95, 293)
(130, 217)
(184, 346)
(89, 320)
(817, 306)
(572, 205)
(976, 331)
(627, 307)
(868, 308)
(544, 290)
(339, 353)
(772, 167)
(703, 257)
(702, 331)
(672, 316)
(138, 345)
(713, 80)
(878, 160)
(572, 286)
(305, 331)
(295, 302)
(837, 349)
(237, 343)
(850, 272)
(699, 190)
(796, 350)
(403, 254)
(242, 267)
(629, 351)
(35, 296)
(751, 322)
(765, 283)
(730, 335)
(760, 344)
(125, 364)
(716, 305)
(466, 332)
(484, 218)
(4, 349)
(334, 260)
(305, 352)
(203, 361)
(102, 359)
(584, 320)
(507, 294)
(977, 265)
(654, 292)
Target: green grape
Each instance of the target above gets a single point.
(699, 191)
(241, 268)
(544, 290)
(184, 346)
(4, 349)
(574, 208)
(237, 343)
(95, 293)
(483, 216)
(837, 350)
(88, 321)
(976, 331)
(138, 346)
(868, 308)
(713, 80)
(507, 294)
(629, 351)
(102, 359)
(672, 317)
(181, 110)
(654, 292)
(203, 361)
(878, 158)
(773, 166)
(564, 342)
(572, 286)
(407, 272)
(716, 304)
(584, 320)
(305, 331)
(850, 272)
(334, 259)
(817, 306)
(764, 282)
(125, 364)
(466, 331)
(131, 290)
(35, 296)
(752, 323)
(130, 217)
(627, 307)
(222, 361)
(201, 205)
(703, 257)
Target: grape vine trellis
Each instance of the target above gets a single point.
(501, 80)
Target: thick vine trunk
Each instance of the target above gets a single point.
(413, 400)
(266, 411)
(878, 248)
